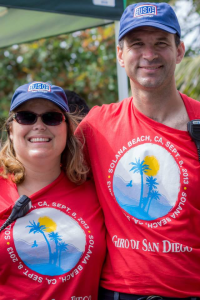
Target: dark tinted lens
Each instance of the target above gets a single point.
(52, 118)
(25, 117)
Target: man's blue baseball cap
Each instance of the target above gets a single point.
(159, 15)
(42, 90)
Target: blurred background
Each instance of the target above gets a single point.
(85, 61)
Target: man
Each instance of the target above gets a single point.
(146, 168)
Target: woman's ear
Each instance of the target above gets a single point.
(10, 131)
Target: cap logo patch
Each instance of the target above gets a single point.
(39, 87)
(145, 10)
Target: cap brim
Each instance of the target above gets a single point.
(150, 24)
(41, 96)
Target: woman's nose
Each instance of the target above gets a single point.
(39, 125)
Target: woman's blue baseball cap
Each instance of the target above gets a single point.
(42, 90)
(159, 15)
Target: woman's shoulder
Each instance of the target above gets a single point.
(8, 193)
(7, 179)
(108, 109)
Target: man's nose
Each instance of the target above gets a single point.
(150, 53)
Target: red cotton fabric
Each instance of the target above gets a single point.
(57, 249)
(147, 177)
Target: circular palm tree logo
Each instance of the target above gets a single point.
(146, 182)
(47, 246)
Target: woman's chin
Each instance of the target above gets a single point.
(42, 154)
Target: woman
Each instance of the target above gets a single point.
(57, 249)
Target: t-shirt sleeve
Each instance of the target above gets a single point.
(83, 133)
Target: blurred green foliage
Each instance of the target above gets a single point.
(188, 76)
(84, 61)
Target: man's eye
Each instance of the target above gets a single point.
(138, 44)
(163, 44)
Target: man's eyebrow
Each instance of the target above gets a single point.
(133, 39)
(163, 38)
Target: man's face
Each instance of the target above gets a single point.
(149, 56)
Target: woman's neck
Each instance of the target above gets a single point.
(36, 179)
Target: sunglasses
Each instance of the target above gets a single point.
(51, 118)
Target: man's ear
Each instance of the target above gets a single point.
(120, 56)
(180, 52)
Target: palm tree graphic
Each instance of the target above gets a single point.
(54, 236)
(140, 167)
(62, 247)
(37, 228)
(154, 195)
(152, 184)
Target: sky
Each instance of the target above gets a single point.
(182, 9)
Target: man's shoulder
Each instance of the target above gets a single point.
(107, 110)
(192, 106)
(191, 100)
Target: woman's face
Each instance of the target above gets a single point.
(38, 142)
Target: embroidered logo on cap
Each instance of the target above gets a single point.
(39, 87)
(145, 10)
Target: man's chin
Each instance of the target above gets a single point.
(150, 84)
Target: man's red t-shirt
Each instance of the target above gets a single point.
(147, 177)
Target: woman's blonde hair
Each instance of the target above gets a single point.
(72, 161)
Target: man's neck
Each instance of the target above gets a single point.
(166, 107)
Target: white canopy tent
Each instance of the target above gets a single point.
(24, 21)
